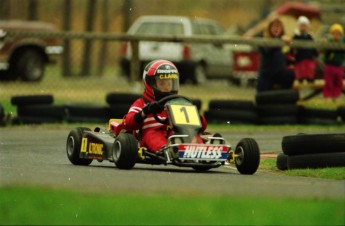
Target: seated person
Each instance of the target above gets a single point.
(140, 115)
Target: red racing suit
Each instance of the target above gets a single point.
(153, 134)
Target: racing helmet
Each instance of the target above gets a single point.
(161, 79)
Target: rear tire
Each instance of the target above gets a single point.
(73, 146)
(30, 66)
(125, 151)
(249, 156)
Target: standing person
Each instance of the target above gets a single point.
(273, 70)
(333, 69)
(304, 58)
(161, 79)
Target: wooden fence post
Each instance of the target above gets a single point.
(135, 63)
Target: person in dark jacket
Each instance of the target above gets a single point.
(304, 58)
(273, 70)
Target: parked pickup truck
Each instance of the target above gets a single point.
(25, 57)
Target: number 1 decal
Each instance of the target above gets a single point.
(184, 110)
(185, 115)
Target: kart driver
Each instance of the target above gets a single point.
(161, 79)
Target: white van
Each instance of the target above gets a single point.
(196, 61)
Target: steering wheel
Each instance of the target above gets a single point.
(162, 102)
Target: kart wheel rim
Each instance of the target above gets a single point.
(117, 151)
(70, 146)
(239, 158)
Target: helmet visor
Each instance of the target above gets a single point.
(167, 83)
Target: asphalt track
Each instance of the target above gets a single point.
(36, 156)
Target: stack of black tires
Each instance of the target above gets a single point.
(341, 113)
(36, 109)
(312, 151)
(231, 111)
(87, 113)
(2, 116)
(277, 107)
(309, 116)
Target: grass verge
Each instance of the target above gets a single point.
(337, 173)
(27, 205)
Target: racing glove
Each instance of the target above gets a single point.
(152, 108)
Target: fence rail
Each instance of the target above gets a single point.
(135, 39)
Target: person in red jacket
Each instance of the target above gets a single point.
(161, 79)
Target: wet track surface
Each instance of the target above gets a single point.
(37, 156)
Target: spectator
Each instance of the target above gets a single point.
(305, 58)
(273, 70)
(333, 69)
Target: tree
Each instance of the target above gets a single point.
(105, 27)
(127, 14)
(66, 68)
(90, 18)
(32, 10)
(5, 9)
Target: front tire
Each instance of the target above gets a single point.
(73, 147)
(125, 151)
(30, 66)
(248, 159)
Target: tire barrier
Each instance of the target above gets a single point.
(32, 99)
(277, 107)
(37, 109)
(81, 113)
(312, 151)
(2, 116)
(272, 108)
(317, 116)
(231, 111)
(341, 113)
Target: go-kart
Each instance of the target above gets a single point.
(183, 147)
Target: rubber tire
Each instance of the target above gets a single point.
(277, 97)
(2, 113)
(78, 119)
(121, 98)
(32, 99)
(278, 120)
(231, 105)
(229, 115)
(282, 161)
(320, 160)
(317, 121)
(73, 156)
(313, 143)
(87, 111)
(30, 66)
(318, 113)
(249, 161)
(277, 110)
(128, 153)
(39, 110)
(197, 103)
(341, 112)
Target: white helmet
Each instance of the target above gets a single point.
(303, 20)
